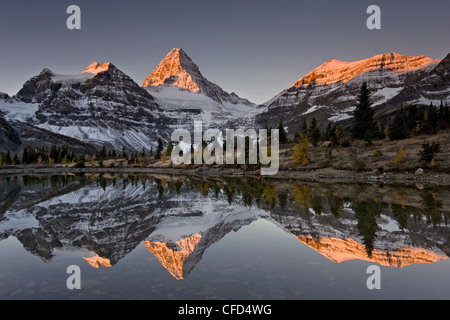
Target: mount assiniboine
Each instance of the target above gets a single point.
(104, 106)
(179, 87)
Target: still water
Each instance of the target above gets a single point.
(161, 237)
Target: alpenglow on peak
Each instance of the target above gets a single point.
(176, 69)
(334, 70)
(95, 67)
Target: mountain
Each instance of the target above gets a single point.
(329, 92)
(101, 106)
(186, 95)
(9, 138)
(16, 135)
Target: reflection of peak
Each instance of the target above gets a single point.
(173, 259)
(98, 261)
(341, 250)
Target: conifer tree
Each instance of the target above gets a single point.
(304, 129)
(169, 149)
(282, 133)
(124, 153)
(432, 118)
(398, 128)
(363, 126)
(6, 159)
(314, 131)
(159, 149)
(446, 116)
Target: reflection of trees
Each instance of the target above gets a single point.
(366, 213)
(283, 199)
(270, 196)
(432, 208)
(302, 196)
(336, 204)
(331, 204)
(316, 204)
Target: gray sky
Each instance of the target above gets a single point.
(255, 48)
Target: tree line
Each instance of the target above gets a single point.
(407, 122)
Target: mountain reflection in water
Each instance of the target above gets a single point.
(179, 218)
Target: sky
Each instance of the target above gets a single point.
(255, 48)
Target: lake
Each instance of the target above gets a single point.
(162, 237)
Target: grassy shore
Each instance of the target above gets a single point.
(381, 161)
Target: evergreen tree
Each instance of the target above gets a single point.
(304, 129)
(363, 126)
(429, 151)
(328, 131)
(398, 128)
(169, 149)
(336, 134)
(102, 153)
(282, 133)
(441, 118)
(414, 117)
(446, 115)
(16, 159)
(314, 131)
(25, 158)
(159, 149)
(6, 159)
(381, 131)
(432, 119)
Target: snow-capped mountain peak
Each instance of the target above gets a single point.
(186, 95)
(334, 70)
(176, 69)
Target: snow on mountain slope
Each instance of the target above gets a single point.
(17, 110)
(184, 107)
(102, 106)
(329, 92)
(186, 95)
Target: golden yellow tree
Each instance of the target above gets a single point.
(301, 155)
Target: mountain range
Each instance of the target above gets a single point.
(102, 106)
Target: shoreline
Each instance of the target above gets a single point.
(419, 179)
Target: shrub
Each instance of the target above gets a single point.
(429, 151)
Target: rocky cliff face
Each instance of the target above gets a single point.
(9, 137)
(101, 105)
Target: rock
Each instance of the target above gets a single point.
(419, 172)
